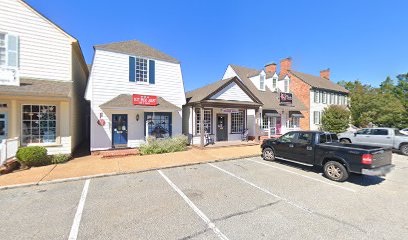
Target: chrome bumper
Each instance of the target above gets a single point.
(381, 171)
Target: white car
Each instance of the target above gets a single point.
(404, 131)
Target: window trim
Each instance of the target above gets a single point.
(243, 122)
(274, 83)
(57, 137)
(17, 51)
(197, 110)
(286, 86)
(147, 73)
(262, 82)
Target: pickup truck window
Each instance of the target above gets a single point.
(334, 138)
(364, 131)
(379, 132)
(288, 137)
(323, 138)
(304, 138)
(398, 133)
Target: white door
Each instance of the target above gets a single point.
(3, 125)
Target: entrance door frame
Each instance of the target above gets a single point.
(226, 126)
(127, 130)
(5, 136)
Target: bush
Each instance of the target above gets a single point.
(59, 158)
(157, 146)
(32, 156)
(335, 119)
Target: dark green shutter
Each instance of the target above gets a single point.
(152, 71)
(132, 73)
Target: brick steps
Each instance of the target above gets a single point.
(9, 166)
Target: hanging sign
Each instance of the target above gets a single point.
(285, 98)
(230, 110)
(144, 100)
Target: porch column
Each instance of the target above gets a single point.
(257, 123)
(202, 127)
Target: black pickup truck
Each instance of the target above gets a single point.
(323, 149)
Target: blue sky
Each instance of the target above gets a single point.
(365, 40)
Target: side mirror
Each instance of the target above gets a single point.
(355, 134)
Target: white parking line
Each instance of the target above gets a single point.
(262, 189)
(318, 180)
(78, 215)
(210, 224)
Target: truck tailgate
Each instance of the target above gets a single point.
(381, 157)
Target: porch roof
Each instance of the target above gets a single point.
(228, 104)
(38, 88)
(124, 101)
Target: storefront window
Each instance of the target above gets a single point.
(207, 120)
(265, 122)
(294, 122)
(39, 124)
(158, 124)
(237, 122)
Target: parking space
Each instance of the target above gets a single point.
(240, 199)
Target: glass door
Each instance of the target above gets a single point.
(3, 125)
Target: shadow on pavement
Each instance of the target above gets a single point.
(362, 180)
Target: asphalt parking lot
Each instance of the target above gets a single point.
(239, 199)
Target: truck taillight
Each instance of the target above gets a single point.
(367, 159)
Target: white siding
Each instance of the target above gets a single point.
(45, 51)
(110, 78)
(229, 73)
(232, 92)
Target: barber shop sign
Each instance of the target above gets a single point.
(285, 98)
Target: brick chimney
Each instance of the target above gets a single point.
(285, 65)
(325, 74)
(270, 67)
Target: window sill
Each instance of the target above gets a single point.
(142, 83)
(43, 144)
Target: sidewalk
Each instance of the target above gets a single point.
(95, 166)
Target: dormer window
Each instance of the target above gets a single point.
(262, 82)
(286, 86)
(274, 83)
(141, 70)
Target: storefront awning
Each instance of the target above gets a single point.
(125, 102)
(296, 114)
(270, 113)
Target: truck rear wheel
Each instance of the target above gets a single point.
(335, 171)
(268, 154)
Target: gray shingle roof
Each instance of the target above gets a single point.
(125, 101)
(136, 48)
(38, 87)
(319, 82)
(202, 93)
(268, 98)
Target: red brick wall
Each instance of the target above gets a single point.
(302, 91)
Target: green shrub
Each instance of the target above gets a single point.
(59, 158)
(32, 156)
(335, 119)
(157, 146)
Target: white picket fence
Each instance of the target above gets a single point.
(8, 149)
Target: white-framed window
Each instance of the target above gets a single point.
(324, 97)
(39, 124)
(265, 122)
(317, 117)
(262, 82)
(142, 70)
(286, 86)
(345, 100)
(294, 122)
(316, 96)
(274, 80)
(237, 122)
(9, 50)
(207, 120)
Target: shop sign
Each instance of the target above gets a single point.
(230, 110)
(285, 98)
(144, 100)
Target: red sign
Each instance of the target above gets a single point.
(145, 100)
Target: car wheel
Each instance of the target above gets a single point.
(268, 154)
(404, 149)
(345, 140)
(335, 171)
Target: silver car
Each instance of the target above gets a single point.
(384, 137)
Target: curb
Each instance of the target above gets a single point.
(73, 179)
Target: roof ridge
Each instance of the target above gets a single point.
(210, 84)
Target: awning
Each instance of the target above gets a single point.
(270, 113)
(296, 114)
(125, 102)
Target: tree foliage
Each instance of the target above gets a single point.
(335, 119)
(385, 106)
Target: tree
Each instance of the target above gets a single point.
(335, 119)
